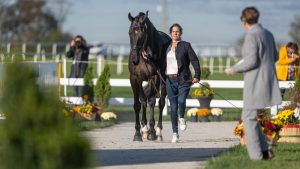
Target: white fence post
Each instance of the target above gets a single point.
(227, 63)
(54, 50)
(120, 64)
(24, 51)
(43, 54)
(220, 65)
(38, 52)
(100, 64)
(211, 65)
(8, 46)
(65, 74)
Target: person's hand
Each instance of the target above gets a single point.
(230, 71)
(145, 55)
(195, 80)
(72, 43)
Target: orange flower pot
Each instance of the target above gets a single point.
(290, 133)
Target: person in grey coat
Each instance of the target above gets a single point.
(261, 88)
(80, 53)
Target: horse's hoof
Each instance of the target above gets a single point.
(145, 132)
(151, 137)
(145, 135)
(159, 138)
(158, 131)
(137, 137)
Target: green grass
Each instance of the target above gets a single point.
(287, 155)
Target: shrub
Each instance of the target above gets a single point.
(88, 88)
(103, 88)
(35, 133)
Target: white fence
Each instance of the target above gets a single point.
(189, 102)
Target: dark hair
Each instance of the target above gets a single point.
(293, 45)
(250, 15)
(82, 39)
(175, 25)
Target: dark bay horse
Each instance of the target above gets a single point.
(145, 38)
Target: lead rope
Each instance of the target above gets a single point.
(222, 97)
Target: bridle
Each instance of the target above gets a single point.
(140, 46)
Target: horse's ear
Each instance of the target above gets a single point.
(130, 17)
(144, 17)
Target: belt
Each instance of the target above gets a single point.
(172, 75)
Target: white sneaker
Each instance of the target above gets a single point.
(182, 124)
(175, 138)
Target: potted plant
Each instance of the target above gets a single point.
(270, 126)
(290, 115)
(203, 114)
(204, 94)
(290, 131)
(216, 114)
(192, 114)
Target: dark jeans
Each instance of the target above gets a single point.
(177, 94)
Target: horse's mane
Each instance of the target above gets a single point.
(154, 40)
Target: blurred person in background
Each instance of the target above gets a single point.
(79, 53)
(288, 63)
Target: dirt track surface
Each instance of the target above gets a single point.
(113, 147)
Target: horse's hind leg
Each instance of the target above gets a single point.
(152, 134)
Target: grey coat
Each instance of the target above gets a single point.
(261, 88)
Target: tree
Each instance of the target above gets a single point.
(103, 88)
(295, 29)
(34, 20)
(88, 88)
(35, 133)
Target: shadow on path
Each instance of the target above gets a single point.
(113, 157)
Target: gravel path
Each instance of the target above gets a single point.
(114, 149)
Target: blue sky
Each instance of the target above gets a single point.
(204, 22)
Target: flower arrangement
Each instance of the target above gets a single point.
(84, 111)
(203, 90)
(203, 112)
(239, 129)
(271, 126)
(216, 111)
(289, 116)
(192, 112)
(108, 116)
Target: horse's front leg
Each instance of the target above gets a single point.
(143, 101)
(137, 109)
(152, 134)
(145, 129)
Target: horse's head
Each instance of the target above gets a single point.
(137, 34)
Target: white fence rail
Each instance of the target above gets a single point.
(189, 102)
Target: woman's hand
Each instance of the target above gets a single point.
(195, 80)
